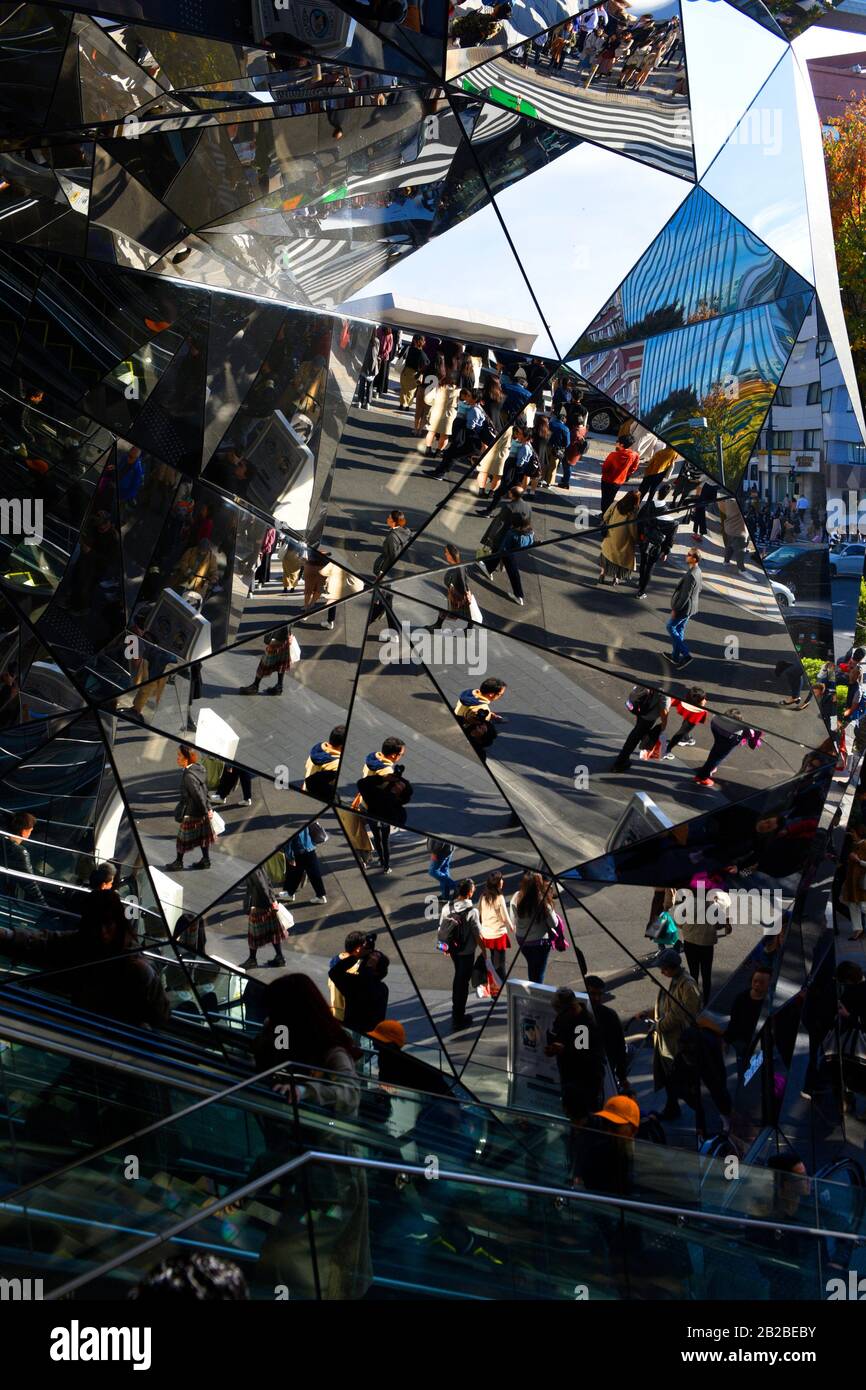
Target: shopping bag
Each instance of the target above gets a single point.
(294, 649)
(494, 983)
(285, 918)
(475, 614)
(218, 825)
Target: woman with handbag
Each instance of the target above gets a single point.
(264, 923)
(534, 917)
(193, 814)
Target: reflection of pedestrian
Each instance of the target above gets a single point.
(460, 930)
(231, 775)
(677, 1005)
(441, 852)
(650, 710)
(575, 1041)
(684, 605)
(496, 923)
(277, 659)
(263, 918)
(301, 861)
(534, 916)
(193, 810)
(728, 730)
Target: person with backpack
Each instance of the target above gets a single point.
(694, 713)
(460, 932)
(728, 730)
(384, 791)
(650, 709)
(655, 535)
(440, 852)
(302, 861)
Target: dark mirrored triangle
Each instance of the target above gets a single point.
(262, 704)
(766, 834)
(739, 633)
(452, 789)
(554, 709)
(147, 764)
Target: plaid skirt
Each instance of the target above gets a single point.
(265, 928)
(192, 833)
(276, 659)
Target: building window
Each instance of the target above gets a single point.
(857, 453)
(781, 439)
(813, 393)
(811, 439)
(826, 401)
(783, 396)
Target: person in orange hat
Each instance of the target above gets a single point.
(399, 1068)
(602, 1151)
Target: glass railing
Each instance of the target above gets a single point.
(323, 1226)
(185, 1165)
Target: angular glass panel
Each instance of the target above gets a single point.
(720, 93)
(611, 78)
(706, 388)
(702, 265)
(758, 174)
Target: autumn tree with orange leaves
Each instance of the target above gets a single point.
(845, 155)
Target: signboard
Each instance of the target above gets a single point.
(641, 817)
(533, 1079)
(321, 25)
(178, 628)
(283, 471)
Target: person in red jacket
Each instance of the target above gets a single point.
(617, 469)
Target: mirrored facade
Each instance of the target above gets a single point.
(367, 552)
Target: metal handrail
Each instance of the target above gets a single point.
(589, 1199)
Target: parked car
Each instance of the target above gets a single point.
(848, 562)
(785, 597)
(804, 569)
(811, 629)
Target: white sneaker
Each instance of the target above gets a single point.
(518, 601)
(668, 757)
(284, 897)
(318, 900)
(216, 798)
(246, 801)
